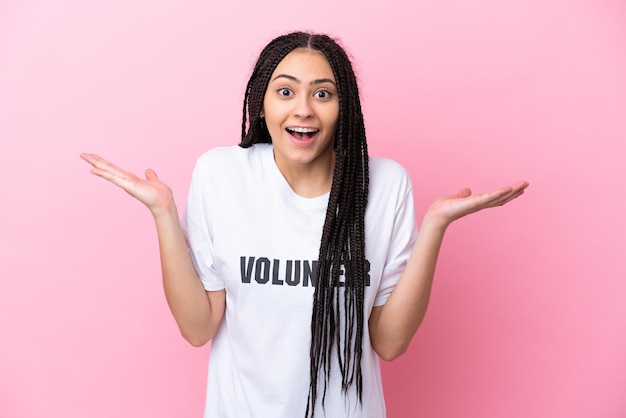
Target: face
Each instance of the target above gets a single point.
(301, 108)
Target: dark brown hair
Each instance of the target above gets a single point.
(343, 237)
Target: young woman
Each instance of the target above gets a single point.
(298, 255)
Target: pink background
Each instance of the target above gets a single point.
(528, 315)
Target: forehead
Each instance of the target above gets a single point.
(304, 64)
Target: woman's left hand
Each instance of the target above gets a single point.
(446, 209)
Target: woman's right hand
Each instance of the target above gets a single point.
(152, 192)
(198, 313)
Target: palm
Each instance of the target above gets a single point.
(150, 191)
(447, 209)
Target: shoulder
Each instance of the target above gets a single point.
(234, 153)
(231, 168)
(388, 175)
(385, 166)
(232, 158)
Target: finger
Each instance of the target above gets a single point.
(504, 193)
(108, 171)
(90, 158)
(521, 185)
(516, 190)
(103, 166)
(514, 196)
(492, 199)
(465, 192)
(112, 176)
(506, 198)
(94, 159)
(487, 198)
(151, 174)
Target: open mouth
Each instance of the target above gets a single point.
(303, 133)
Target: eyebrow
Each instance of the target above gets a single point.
(292, 78)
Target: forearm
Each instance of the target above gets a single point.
(196, 317)
(393, 325)
(198, 313)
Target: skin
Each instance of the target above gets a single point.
(197, 312)
(393, 324)
(301, 93)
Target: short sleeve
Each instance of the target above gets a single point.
(196, 224)
(403, 237)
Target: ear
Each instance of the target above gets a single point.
(262, 114)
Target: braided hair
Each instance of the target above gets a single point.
(337, 321)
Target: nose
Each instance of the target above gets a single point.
(303, 108)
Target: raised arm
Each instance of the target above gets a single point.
(393, 324)
(197, 312)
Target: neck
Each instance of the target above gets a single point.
(309, 180)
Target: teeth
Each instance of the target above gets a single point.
(302, 130)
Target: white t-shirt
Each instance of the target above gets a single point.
(249, 233)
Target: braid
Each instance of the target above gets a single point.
(253, 129)
(337, 322)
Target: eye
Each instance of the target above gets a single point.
(284, 92)
(322, 94)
